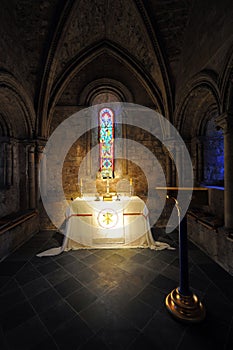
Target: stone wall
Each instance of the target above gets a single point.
(124, 169)
(14, 237)
(214, 242)
(207, 39)
(79, 165)
(13, 194)
(216, 202)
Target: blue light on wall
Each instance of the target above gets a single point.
(213, 155)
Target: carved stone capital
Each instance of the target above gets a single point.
(31, 148)
(225, 122)
(40, 145)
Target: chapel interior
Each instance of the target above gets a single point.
(62, 58)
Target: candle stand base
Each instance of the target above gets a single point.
(186, 308)
(107, 197)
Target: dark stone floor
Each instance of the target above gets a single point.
(108, 299)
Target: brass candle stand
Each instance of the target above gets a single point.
(181, 302)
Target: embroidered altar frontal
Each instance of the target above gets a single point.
(103, 224)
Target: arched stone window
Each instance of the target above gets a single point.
(106, 142)
(213, 155)
(109, 130)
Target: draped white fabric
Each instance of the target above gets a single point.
(95, 224)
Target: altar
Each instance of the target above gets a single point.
(121, 222)
(93, 223)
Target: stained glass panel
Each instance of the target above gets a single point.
(106, 140)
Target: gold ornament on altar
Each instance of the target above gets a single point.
(107, 196)
(107, 218)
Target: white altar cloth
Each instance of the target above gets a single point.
(95, 224)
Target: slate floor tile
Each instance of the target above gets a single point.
(97, 316)
(152, 296)
(68, 286)
(91, 259)
(171, 272)
(16, 315)
(111, 298)
(28, 335)
(72, 335)
(138, 313)
(100, 286)
(217, 305)
(46, 344)
(57, 276)
(157, 332)
(214, 271)
(156, 264)
(167, 256)
(142, 342)
(114, 259)
(140, 258)
(81, 299)
(94, 343)
(118, 339)
(75, 267)
(48, 267)
(27, 274)
(10, 268)
(58, 314)
(164, 283)
(116, 299)
(208, 335)
(87, 275)
(45, 300)
(35, 287)
(10, 299)
(65, 259)
(80, 254)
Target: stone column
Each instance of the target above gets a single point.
(31, 176)
(168, 170)
(171, 155)
(179, 165)
(88, 149)
(14, 163)
(197, 158)
(9, 164)
(199, 161)
(225, 122)
(39, 154)
(125, 155)
(2, 165)
(172, 163)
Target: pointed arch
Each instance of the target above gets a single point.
(107, 48)
(227, 84)
(16, 104)
(68, 35)
(201, 97)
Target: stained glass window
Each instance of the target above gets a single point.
(106, 140)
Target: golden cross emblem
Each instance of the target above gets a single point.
(107, 218)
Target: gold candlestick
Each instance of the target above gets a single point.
(130, 186)
(81, 187)
(107, 196)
